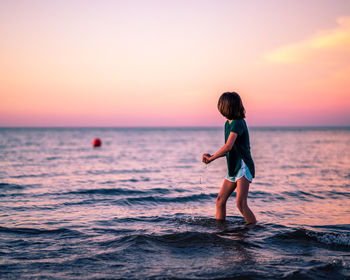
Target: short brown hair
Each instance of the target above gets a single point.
(230, 106)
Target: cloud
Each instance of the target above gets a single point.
(326, 45)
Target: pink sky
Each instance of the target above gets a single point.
(165, 63)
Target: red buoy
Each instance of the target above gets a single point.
(97, 142)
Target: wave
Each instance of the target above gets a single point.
(143, 200)
(192, 239)
(333, 269)
(49, 158)
(147, 219)
(148, 194)
(167, 199)
(106, 191)
(34, 231)
(305, 196)
(301, 195)
(12, 190)
(40, 175)
(10, 187)
(122, 191)
(338, 236)
(335, 194)
(341, 239)
(121, 171)
(178, 244)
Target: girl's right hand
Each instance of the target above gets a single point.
(205, 158)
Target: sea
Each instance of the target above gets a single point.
(142, 206)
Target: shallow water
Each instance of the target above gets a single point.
(143, 205)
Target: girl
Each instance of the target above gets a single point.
(240, 164)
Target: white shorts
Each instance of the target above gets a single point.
(243, 171)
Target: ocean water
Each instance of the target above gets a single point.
(142, 206)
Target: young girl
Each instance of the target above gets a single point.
(240, 164)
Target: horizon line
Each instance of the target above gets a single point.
(186, 126)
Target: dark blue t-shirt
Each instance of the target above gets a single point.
(240, 149)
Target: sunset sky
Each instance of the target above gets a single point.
(165, 63)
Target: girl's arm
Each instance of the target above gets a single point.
(224, 149)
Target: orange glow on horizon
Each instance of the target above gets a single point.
(114, 64)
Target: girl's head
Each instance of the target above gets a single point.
(230, 106)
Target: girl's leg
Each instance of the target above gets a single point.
(226, 190)
(242, 195)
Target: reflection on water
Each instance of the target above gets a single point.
(143, 205)
(302, 175)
